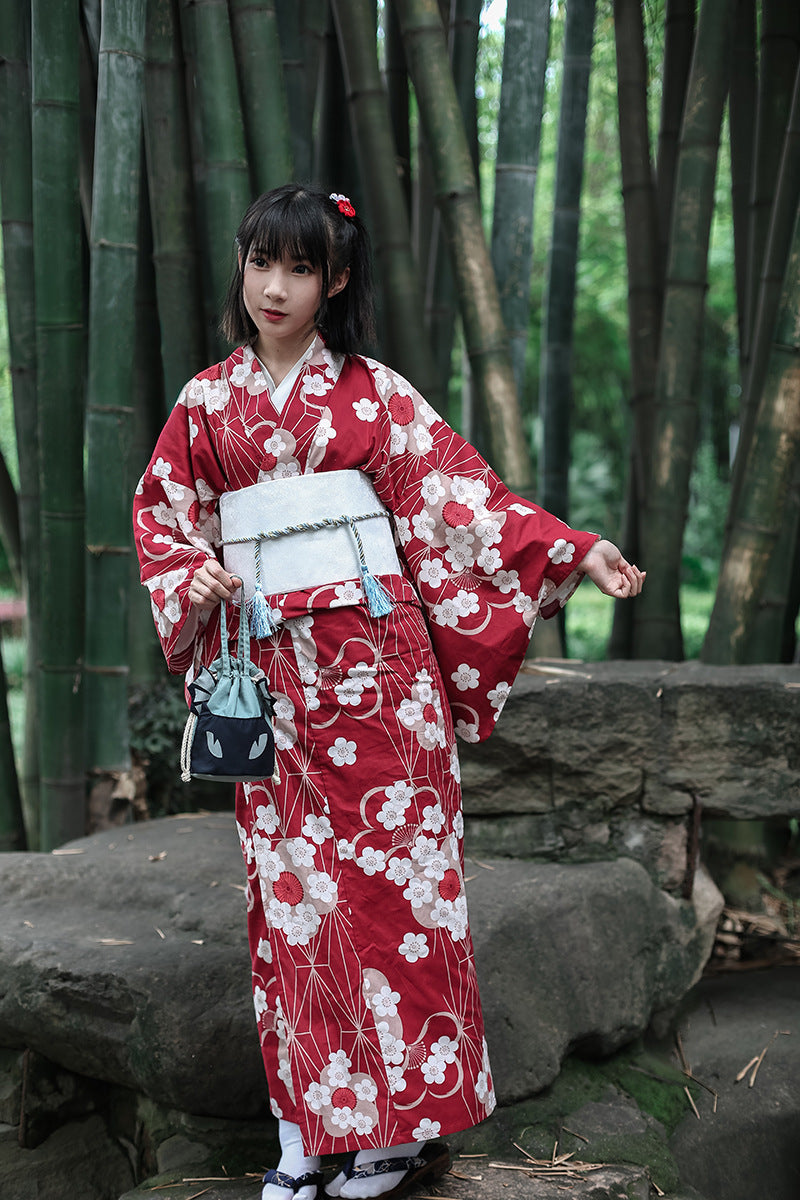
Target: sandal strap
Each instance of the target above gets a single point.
(385, 1166)
(283, 1180)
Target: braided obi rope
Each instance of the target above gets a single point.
(379, 602)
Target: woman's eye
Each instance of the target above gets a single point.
(258, 260)
(302, 269)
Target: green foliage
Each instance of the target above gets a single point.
(157, 718)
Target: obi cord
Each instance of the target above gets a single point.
(379, 603)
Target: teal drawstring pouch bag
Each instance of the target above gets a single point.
(228, 734)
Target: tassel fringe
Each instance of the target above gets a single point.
(379, 602)
(261, 624)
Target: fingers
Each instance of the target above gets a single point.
(211, 584)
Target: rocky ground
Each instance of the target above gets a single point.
(130, 1051)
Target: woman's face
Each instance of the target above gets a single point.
(282, 298)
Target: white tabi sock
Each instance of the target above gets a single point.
(294, 1162)
(372, 1185)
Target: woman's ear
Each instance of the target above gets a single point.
(339, 283)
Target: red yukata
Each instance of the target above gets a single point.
(363, 975)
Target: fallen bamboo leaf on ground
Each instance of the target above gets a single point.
(115, 942)
(160, 933)
(691, 1101)
(68, 850)
(458, 1175)
(162, 854)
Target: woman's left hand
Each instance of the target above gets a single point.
(610, 572)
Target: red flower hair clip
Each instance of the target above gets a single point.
(343, 204)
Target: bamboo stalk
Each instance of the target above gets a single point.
(457, 197)
(403, 334)
(264, 106)
(555, 378)
(299, 87)
(16, 202)
(519, 130)
(109, 423)
(220, 157)
(184, 351)
(657, 630)
(59, 338)
(741, 114)
(771, 460)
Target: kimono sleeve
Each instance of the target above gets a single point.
(485, 561)
(176, 523)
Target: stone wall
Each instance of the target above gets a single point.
(599, 760)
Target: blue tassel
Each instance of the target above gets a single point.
(261, 624)
(379, 602)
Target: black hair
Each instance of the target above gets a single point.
(305, 223)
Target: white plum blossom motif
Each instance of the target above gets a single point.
(398, 797)
(345, 850)
(400, 870)
(264, 950)
(398, 440)
(317, 828)
(338, 1068)
(414, 946)
(392, 1048)
(467, 730)
(301, 852)
(465, 677)
(315, 384)
(366, 409)
(498, 695)
(489, 560)
(385, 1002)
(371, 861)
(459, 548)
(403, 530)
(419, 892)
(506, 581)
(488, 532)
(431, 488)
(342, 752)
(561, 551)
(445, 1049)
(351, 689)
(433, 572)
(395, 1079)
(433, 1070)
(469, 491)
(347, 593)
(423, 439)
(317, 1095)
(259, 1001)
(433, 817)
(322, 887)
(366, 1089)
(426, 1130)
(325, 432)
(424, 526)
(267, 820)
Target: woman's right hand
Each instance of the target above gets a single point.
(211, 584)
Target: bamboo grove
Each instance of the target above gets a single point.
(133, 133)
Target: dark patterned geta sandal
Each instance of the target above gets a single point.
(282, 1180)
(432, 1161)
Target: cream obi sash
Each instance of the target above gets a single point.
(306, 531)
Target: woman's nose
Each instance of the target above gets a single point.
(275, 284)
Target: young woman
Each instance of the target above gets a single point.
(363, 976)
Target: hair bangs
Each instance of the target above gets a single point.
(288, 228)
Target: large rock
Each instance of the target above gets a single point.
(126, 960)
(79, 1160)
(579, 957)
(746, 1142)
(594, 760)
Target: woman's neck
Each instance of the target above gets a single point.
(281, 357)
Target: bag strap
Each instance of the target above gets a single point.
(223, 633)
(243, 661)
